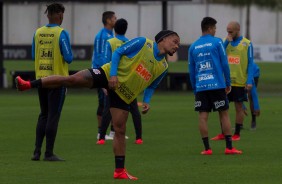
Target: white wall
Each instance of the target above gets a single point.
(83, 20)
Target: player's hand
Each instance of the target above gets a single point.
(248, 87)
(113, 82)
(228, 89)
(229, 38)
(145, 108)
(257, 112)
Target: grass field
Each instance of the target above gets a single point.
(170, 153)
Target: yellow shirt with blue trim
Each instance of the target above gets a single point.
(137, 73)
(48, 57)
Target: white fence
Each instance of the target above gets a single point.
(83, 20)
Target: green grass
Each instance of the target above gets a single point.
(169, 155)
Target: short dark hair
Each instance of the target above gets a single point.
(107, 15)
(120, 26)
(207, 22)
(55, 8)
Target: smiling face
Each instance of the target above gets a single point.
(170, 44)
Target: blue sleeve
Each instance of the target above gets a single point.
(254, 95)
(148, 93)
(108, 52)
(65, 46)
(225, 43)
(33, 48)
(250, 64)
(224, 63)
(129, 49)
(96, 49)
(191, 68)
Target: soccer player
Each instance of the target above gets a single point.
(210, 81)
(137, 65)
(240, 59)
(98, 60)
(52, 53)
(112, 44)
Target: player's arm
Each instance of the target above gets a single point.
(149, 91)
(250, 67)
(108, 52)
(33, 48)
(225, 66)
(254, 96)
(191, 68)
(96, 49)
(65, 46)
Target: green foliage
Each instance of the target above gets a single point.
(170, 153)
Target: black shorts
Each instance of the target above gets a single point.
(99, 78)
(117, 102)
(215, 100)
(238, 94)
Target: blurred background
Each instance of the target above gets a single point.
(261, 22)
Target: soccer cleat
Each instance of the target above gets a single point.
(235, 137)
(206, 152)
(139, 141)
(253, 125)
(53, 158)
(21, 84)
(101, 142)
(107, 137)
(232, 151)
(123, 174)
(218, 137)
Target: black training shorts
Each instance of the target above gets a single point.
(237, 94)
(215, 100)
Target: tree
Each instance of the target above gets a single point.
(271, 4)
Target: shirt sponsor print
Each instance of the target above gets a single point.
(234, 60)
(143, 72)
(205, 66)
(204, 77)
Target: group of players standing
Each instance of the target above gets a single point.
(215, 67)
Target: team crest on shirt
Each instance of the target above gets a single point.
(165, 64)
(149, 45)
(244, 44)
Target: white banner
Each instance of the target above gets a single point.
(268, 53)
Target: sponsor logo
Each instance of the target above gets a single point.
(198, 104)
(46, 35)
(125, 91)
(41, 42)
(165, 64)
(46, 53)
(204, 54)
(206, 77)
(218, 104)
(234, 60)
(96, 71)
(46, 67)
(203, 45)
(143, 72)
(205, 66)
(149, 45)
